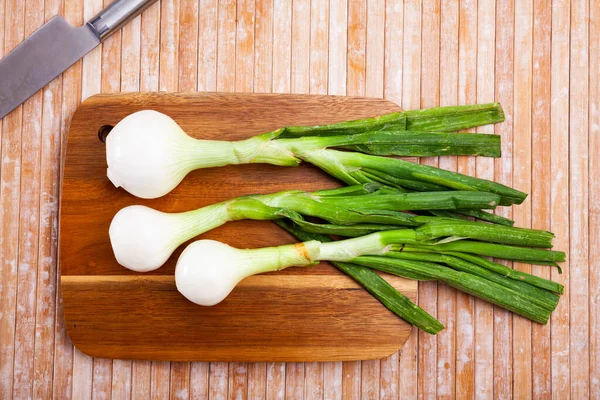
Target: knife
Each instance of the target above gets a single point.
(55, 47)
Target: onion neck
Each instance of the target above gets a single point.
(374, 244)
(202, 220)
(258, 261)
(199, 153)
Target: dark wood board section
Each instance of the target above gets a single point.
(299, 314)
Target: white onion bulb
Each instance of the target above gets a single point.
(208, 270)
(144, 153)
(148, 154)
(142, 238)
(209, 279)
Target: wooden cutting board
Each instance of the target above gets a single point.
(300, 314)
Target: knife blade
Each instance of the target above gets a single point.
(55, 47)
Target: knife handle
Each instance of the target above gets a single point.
(113, 17)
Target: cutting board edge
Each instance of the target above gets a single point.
(374, 356)
(120, 355)
(149, 94)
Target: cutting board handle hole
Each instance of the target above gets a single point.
(103, 132)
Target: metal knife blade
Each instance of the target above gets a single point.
(55, 47)
(40, 58)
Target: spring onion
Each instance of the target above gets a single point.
(143, 238)
(207, 271)
(148, 154)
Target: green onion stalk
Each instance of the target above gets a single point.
(438, 119)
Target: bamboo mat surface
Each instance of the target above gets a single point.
(540, 59)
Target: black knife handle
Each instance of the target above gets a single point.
(113, 17)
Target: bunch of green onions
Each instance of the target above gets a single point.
(449, 249)
(419, 219)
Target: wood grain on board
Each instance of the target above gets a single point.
(303, 314)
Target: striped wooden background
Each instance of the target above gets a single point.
(541, 59)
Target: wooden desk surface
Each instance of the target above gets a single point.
(540, 60)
